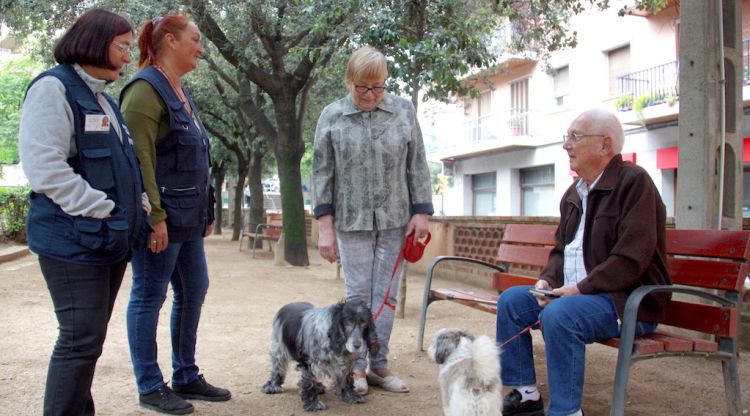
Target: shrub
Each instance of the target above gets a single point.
(14, 204)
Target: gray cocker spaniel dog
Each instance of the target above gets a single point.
(325, 342)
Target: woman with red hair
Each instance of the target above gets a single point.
(174, 153)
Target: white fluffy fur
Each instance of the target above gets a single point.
(469, 374)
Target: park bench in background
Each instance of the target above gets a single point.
(270, 231)
(707, 267)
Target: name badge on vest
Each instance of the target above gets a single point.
(96, 123)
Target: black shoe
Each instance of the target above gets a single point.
(513, 406)
(199, 389)
(165, 401)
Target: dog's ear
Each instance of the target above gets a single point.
(370, 334)
(337, 333)
(445, 344)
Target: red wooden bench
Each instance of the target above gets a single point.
(270, 231)
(707, 267)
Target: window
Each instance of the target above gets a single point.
(561, 87)
(746, 193)
(519, 107)
(484, 192)
(538, 191)
(619, 65)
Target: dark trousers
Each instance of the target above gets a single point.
(83, 297)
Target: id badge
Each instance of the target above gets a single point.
(96, 123)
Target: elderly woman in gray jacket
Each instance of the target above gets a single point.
(372, 188)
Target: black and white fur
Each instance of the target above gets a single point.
(325, 342)
(469, 374)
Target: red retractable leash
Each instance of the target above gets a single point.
(410, 252)
(523, 331)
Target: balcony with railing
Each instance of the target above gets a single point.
(648, 88)
(496, 127)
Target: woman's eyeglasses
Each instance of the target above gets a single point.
(362, 89)
(125, 49)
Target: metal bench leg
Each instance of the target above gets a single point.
(425, 303)
(624, 359)
(732, 386)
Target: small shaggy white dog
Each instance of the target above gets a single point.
(469, 373)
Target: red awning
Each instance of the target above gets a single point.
(668, 157)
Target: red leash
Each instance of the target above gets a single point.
(411, 251)
(523, 331)
(388, 292)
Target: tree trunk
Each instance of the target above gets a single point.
(238, 195)
(218, 174)
(254, 182)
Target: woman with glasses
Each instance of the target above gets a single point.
(173, 148)
(87, 207)
(372, 188)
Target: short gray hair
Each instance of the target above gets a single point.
(609, 124)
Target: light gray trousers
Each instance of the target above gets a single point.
(367, 258)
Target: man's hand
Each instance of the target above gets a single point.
(542, 300)
(327, 246)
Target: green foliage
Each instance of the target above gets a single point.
(14, 77)
(433, 44)
(624, 102)
(14, 204)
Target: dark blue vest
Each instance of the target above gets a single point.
(182, 164)
(107, 164)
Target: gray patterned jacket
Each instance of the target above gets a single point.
(369, 168)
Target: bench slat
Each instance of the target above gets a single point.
(484, 301)
(701, 317)
(640, 345)
(708, 243)
(530, 233)
(526, 255)
(504, 281)
(710, 274)
(672, 343)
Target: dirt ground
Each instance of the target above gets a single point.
(233, 347)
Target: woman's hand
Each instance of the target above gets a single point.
(420, 225)
(159, 238)
(327, 246)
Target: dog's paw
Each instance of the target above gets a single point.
(352, 397)
(315, 406)
(320, 388)
(271, 388)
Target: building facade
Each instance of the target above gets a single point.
(503, 150)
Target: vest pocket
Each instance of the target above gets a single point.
(187, 154)
(98, 164)
(89, 232)
(182, 206)
(117, 234)
(98, 234)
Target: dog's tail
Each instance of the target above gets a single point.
(486, 360)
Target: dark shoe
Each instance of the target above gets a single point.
(512, 406)
(165, 401)
(199, 389)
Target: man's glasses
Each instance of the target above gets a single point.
(576, 137)
(362, 89)
(125, 49)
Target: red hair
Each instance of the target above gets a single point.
(153, 31)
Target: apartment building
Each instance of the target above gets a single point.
(503, 150)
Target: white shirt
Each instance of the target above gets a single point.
(574, 269)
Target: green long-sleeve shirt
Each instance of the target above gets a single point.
(147, 118)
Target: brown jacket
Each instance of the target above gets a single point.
(624, 238)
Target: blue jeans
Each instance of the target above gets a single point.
(184, 265)
(83, 297)
(568, 324)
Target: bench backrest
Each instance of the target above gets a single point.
(709, 259)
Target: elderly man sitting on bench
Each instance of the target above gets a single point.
(611, 240)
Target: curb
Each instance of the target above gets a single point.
(13, 253)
